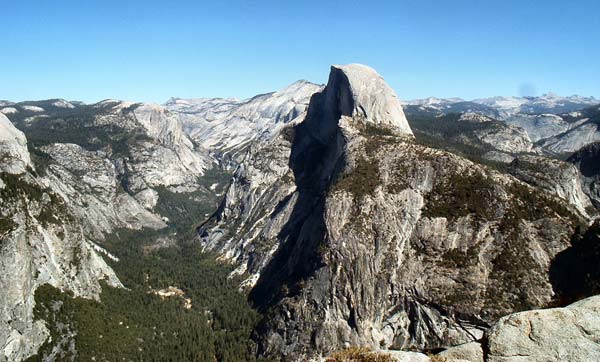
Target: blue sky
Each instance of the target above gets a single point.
(152, 50)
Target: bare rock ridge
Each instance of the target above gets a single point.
(558, 334)
(13, 148)
(316, 158)
(226, 127)
(347, 230)
(373, 98)
(350, 233)
(587, 160)
(557, 126)
(286, 243)
(92, 170)
(358, 92)
(540, 335)
(41, 241)
(557, 177)
(272, 174)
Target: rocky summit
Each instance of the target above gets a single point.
(364, 236)
(313, 223)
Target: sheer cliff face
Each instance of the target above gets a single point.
(93, 170)
(355, 92)
(587, 161)
(226, 127)
(268, 184)
(42, 241)
(350, 233)
(13, 148)
(560, 178)
(60, 202)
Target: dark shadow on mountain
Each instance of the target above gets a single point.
(316, 158)
(575, 272)
(587, 159)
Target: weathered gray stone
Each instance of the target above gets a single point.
(587, 161)
(550, 335)
(470, 352)
(402, 356)
(14, 157)
(555, 176)
(352, 234)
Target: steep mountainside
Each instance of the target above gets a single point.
(540, 126)
(473, 135)
(127, 229)
(147, 141)
(45, 239)
(555, 334)
(227, 126)
(587, 160)
(98, 189)
(558, 125)
(557, 177)
(584, 129)
(352, 234)
(133, 185)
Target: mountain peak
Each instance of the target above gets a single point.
(362, 92)
(298, 89)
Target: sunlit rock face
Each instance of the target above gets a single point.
(359, 92)
(349, 233)
(587, 161)
(42, 241)
(13, 148)
(549, 335)
(226, 127)
(557, 177)
(345, 228)
(57, 211)
(540, 126)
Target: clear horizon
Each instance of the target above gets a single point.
(150, 51)
(166, 100)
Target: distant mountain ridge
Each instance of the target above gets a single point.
(348, 230)
(546, 103)
(506, 106)
(227, 125)
(350, 217)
